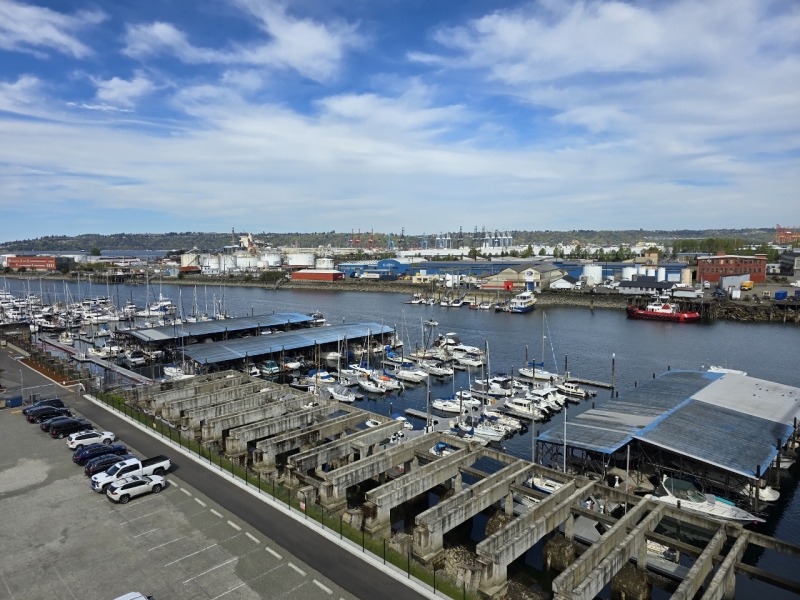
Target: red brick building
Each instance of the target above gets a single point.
(38, 263)
(317, 275)
(722, 265)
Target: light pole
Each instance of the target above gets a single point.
(613, 361)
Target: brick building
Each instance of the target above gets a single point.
(38, 263)
(713, 267)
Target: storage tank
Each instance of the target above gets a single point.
(246, 261)
(271, 259)
(324, 263)
(651, 272)
(211, 261)
(686, 276)
(227, 262)
(628, 273)
(301, 259)
(661, 274)
(593, 274)
(190, 260)
(641, 270)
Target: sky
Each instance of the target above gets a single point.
(260, 115)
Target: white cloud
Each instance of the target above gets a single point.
(313, 49)
(121, 92)
(28, 28)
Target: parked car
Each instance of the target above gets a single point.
(134, 596)
(130, 487)
(43, 413)
(93, 450)
(103, 463)
(78, 440)
(63, 428)
(795, 284)
(57, 402)
(706, 285)
(45, 425)
(158, 465)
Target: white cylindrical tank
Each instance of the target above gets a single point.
(228, 262)
(662, 274)
(642, 270)
(593, 274)
(271, 259)
(324, 263)
(628, 273)
(651, 272)
(301, 259)
(190, 260)
(246, 261)
(686, 276)
(211, 261)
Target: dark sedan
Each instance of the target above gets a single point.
(103, 463)
(46, 425)
(56, 402)
(46, 412)
(80, 457)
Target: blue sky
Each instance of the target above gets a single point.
(307, 116)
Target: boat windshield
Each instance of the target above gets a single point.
(682, 490)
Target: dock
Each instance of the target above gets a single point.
(88, 358)
(581, 380)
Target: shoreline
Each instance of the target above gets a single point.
(726, 310)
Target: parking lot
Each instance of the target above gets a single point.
(61, 540)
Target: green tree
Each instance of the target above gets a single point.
(95, 251)
(542, 251)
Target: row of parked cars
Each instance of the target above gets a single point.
(112, 470)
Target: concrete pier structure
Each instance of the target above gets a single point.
(141, 395)
(268, 450)
(193, 418)
(171, 409)
(214, 428)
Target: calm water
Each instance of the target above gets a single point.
(588, 338)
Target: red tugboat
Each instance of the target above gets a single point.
(660, 309)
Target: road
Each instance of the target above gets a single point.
(346, 570)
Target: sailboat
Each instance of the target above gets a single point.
(534, 370)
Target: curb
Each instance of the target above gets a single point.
(400, 576)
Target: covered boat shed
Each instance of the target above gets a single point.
(685, 423)
(219, 354)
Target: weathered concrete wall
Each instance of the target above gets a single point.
(293, 440)
(172, 410)
(236, 443)
(192, 418)
(215, 428)
(143, 394)
(323, 455)
(156, 401)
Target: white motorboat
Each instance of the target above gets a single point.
(523, 407)
(370, 386)
(671, 491)
(411, 375)
(483, 431)
(454, 405)
(342, 394)
(386, 381)
(503, 420)
(573, 391)
(725, 370)
(544, 484)
(438, 369)
(406, 423)
(66, 338)
(372, 423)
(441, 449)
(522, 303)
(431, 322)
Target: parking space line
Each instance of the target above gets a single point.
(173, 483)
(236, 587)
(142, 516)
(200, 502)
(227, 562)
(192, 554)
(234, 525)
(185, 491)
(252, 537)
(324, 588)
(145, 533)
(166, 543)
(275, 554)
(213, 512)
(296, 568)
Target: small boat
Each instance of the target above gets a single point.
(66, 338)
(431, 322)
(388, 382)
(341, 394)
(485, 305)
(254, 371)
(660, 309)
(406, 423)
(522, 303)
(572, 389)
(544, 484)
(713, 369)
(438, 369)
(371, 387)
(441, 449)
(270, 368)
(671, 491)
(372, 423)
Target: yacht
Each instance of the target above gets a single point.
(524, 407)
(436, 368)
(671, 491)
(342, 394)
(522, 303)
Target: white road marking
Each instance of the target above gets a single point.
(200, 502)
(187, 492)
(252, 537)
(234, 525)
(228, 592)
(142, 517)
(227, 562)
(324, 588)
(213, 512)
(192, 554)
(166, 543)
(175, 484)
(275, 554)
(298, 569)
(145, 533)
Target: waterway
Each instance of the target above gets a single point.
(588, 338)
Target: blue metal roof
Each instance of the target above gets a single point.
(709, 417)
(263, 345)
(172, 332)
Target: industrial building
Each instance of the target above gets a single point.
(529, 276)
(38, 263)
(317, 275)
(714, 267)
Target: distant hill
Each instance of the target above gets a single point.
(213, 241)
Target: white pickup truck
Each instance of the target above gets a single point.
(158, 465)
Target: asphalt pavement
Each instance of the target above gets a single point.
(343, 568)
